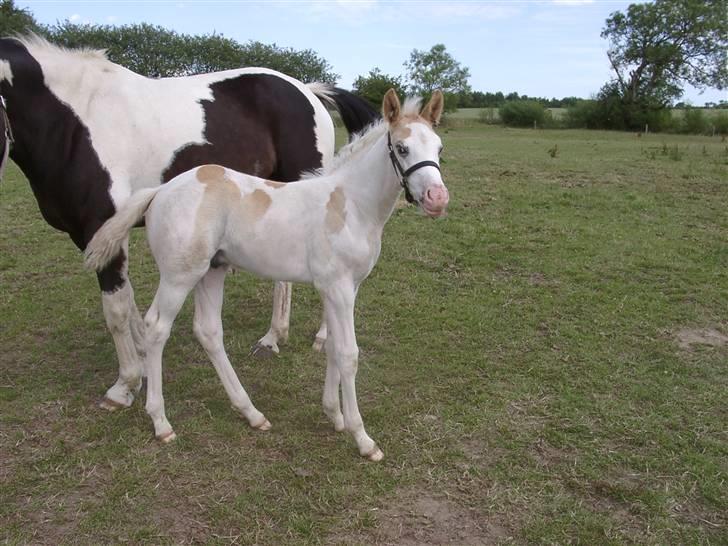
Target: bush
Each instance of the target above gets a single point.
(585, 114)
(609, 112)
(694, 122)
(522, 113)
(720, 122)
(487, 115)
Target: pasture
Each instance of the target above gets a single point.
(546, 364)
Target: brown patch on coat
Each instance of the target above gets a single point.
(210, 173)
(336, 211)
(255, 204)
(273, 184)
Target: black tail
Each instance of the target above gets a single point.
(356, 113)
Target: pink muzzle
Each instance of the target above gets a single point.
(435, 200)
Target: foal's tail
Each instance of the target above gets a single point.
(106, 242)
(356, 113)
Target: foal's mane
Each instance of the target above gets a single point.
(38, 44)
(364, 139)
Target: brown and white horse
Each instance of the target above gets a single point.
(325, 231)
(90, 133)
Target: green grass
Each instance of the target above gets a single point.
(520, 367)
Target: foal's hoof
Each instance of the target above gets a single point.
(167, 438)
(318, 344)
(111, 405)
(263, 351)
(265, 425)
(375, 455)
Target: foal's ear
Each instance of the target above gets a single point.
(391, 107)
(434, 108)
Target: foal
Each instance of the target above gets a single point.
(326, 232)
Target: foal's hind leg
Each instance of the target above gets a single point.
(279, 322)
(117, 298)
(170, 296)
(208, 329)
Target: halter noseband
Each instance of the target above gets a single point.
(404, 175)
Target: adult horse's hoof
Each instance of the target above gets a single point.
(318, 344)
(112, 405)
(375, 455)
(265, 425)
(263, 351)
(168, 437)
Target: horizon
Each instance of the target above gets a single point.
(547, 49)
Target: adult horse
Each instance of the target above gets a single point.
(89, 133)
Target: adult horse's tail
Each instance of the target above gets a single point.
(108, 239)
(356, 113)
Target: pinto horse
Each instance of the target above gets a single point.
(325, 231)
(90, 133)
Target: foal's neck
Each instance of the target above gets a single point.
(371, 183)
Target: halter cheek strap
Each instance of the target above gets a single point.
(404, 174)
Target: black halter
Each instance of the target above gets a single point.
(404, 175)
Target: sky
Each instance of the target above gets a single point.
(545, 48)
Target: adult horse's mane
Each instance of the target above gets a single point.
(39, 44)
(365, 138)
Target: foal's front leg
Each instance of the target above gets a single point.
(208, 329)
(343, 353)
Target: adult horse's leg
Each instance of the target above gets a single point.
(279, 322)
(343, 353)
(208, 329)
(121, 314)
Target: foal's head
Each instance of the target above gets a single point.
(415, 151)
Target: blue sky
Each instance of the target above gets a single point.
(548, 48)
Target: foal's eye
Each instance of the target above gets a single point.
(439, 152)
(402, 150)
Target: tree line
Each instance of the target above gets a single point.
(156, 52)
(655, 48)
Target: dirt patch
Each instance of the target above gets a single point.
(417, 517)
(688, 337)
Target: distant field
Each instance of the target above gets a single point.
(473, 114)
(545, 365)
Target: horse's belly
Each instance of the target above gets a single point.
(277, 259)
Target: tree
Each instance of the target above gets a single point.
(656, 48)
(437, 69)
(158, 52)
(15, 20)
(373, 86)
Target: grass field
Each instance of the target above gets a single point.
(465, 117)
(547, 364)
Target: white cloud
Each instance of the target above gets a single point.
(573, 2)
(111, 19)
(77, 19)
